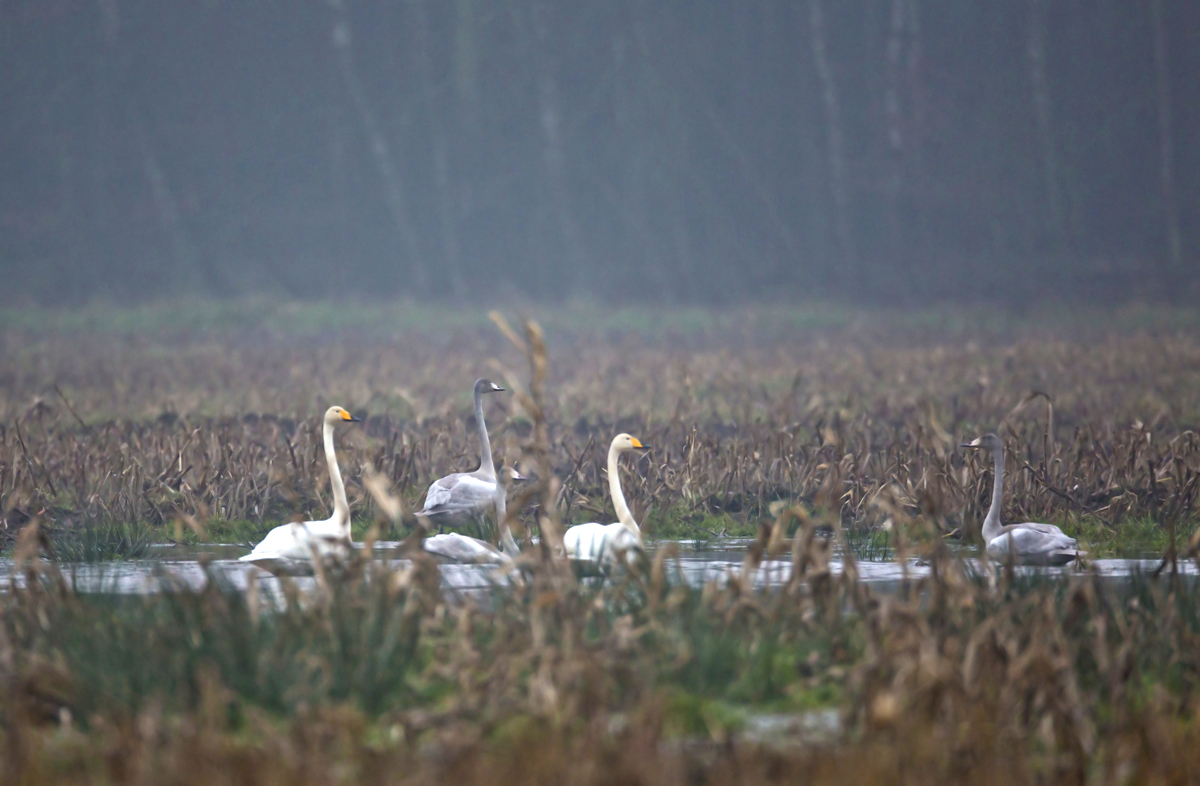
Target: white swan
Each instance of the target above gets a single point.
(600, 548)
(453, 547)
(463, 496)
(1028, 543)
(289, 549)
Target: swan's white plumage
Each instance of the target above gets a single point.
(454, 547)
(290, 549)
(605, 548)
(1033, 544)
(1028, 543)
(601, 548)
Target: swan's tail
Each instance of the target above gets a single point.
(1063, 556)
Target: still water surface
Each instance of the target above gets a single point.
(181, 566)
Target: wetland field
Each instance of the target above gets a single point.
(802, 451)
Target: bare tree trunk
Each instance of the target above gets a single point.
(631, 119)
(393, 187)
(1040, 93)
(466, 64)
(441, 164)
(339, 185)
(189, 260)
(554, 156)
(446, 211)
(677, 86)
(100, 198)
(837, 164)
(895, 129)
(1174, 265)
(918, 242)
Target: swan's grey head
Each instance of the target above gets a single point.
(986, 442)
(339, 415)
(487, 386)
(624, 442)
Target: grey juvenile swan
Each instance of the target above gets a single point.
(1028, 543)
(289, 549)
(453, 547)
(463, 496)
(600, 548)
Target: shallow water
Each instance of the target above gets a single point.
(698, 563)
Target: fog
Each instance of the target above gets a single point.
(683, 151)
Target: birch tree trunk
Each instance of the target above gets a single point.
(381, 152)
(834, 143)
(1040, 94)
(893, 118)
(438, 143)
(918, 236)
(102, 150)
(554, 154)
(466, 65)
(166, 206)
(1166, 149)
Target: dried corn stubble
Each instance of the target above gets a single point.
(147, 435)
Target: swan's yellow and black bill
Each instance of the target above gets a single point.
(350, 418)
(638, 444)
(972, 444)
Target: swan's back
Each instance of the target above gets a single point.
(460, 548)
(289, 548)
(1033, 543)
(460, 491)
(601, 545)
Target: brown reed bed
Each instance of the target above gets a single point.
(1100, 427)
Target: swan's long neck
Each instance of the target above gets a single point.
(485, 446)
(507, 544)
(341, 508)
(991, 524)
(614, 488)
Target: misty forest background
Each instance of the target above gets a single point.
(680, 151)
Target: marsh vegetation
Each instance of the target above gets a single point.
(816, 443)
(210, 428)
